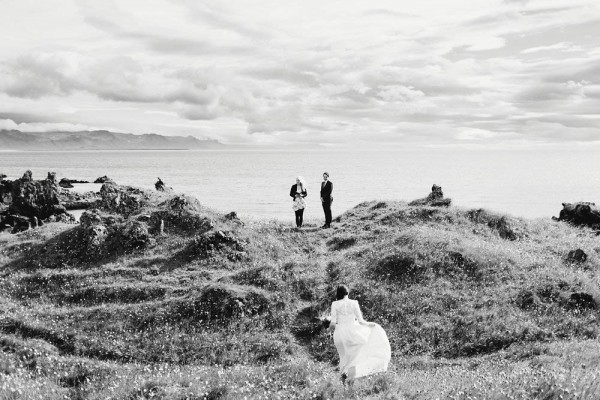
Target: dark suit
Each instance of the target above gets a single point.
(326, 199)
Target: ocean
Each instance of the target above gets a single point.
(256, 183)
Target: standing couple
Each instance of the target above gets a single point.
(298, 193)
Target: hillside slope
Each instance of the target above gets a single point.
(155, 296)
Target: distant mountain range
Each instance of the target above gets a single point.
(99, 140)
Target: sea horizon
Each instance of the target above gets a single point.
(255, 182)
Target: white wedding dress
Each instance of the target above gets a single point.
(363, 350)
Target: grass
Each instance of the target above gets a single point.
(475, 304)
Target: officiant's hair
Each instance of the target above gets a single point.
(342, 291)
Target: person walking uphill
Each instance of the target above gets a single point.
(298, 193)
(326, 199)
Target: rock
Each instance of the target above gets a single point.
(233, 217)
(90, 218)
(434, 199)
(581, 214)
(183, 203)
(576, 256)
(65, 183)
(5, 192)
(135, 235)
(36, 198)
(94, 237)
(527, 300)
(103, 179)
(121, 199)
(160, 186)
(19, 223)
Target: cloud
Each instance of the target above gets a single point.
(7, 124)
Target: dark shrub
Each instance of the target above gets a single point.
(400, 268)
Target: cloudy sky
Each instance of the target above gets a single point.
(427, 72)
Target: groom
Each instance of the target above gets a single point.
(326, 199)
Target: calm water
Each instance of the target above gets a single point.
(257, 183)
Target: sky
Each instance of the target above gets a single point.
(336, 73)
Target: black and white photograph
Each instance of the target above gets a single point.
(284, 199)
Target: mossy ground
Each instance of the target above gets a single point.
(470, 311)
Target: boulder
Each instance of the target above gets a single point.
(65, 183)
(103, 179)
(576, 256)
(233, 217)
(581, 214)
(161, 187)
(123, 200)
(135, 235)
(434, 199)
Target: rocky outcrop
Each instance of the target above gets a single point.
(434, 199)
(103, 179)
(36, 198)
(581, 214)
(31, 202)
(123, 200)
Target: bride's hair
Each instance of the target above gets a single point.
(342, 291)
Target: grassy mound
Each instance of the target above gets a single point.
(155, 296)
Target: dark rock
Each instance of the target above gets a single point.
(65, 218)
(65, 183)
(90, 218)
(576, 256)
(581, 214)
(183, 203)
(527, 300)
(94, 237)
(5, 192)
(36, 198)
(434, 199)
(160, 186)
(104, 179)
(582, 301)
(19, 223)
(121, 199)
(135, 235)
(233, 217)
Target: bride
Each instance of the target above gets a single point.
(363, 346)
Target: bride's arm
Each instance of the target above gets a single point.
(332, 318)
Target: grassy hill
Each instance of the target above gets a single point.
(476, 305)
